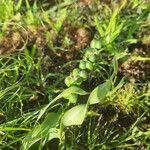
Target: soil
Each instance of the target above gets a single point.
(11, 42)
(137, 70)
(15, 40)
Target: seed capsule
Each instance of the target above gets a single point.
(96, 44)
(92, 58)
(75, 72)
(83, 74)
(89, 65)
(68, 81)
(82, 65)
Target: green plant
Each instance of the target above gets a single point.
(86, 65)
(98, 109)
(6, 10)
(110, 30)
(74, 116)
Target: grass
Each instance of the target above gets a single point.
(74, 75)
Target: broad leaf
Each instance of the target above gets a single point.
(47, 130)
(75, 116)
(100, 92)
(64, 94)
(71, 90)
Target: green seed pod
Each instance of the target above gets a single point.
(96, 44)
(68, 81)
(92, 58)
(76, 72)
(88, 53)
(83, 74)
(82, 65)
(89, 65)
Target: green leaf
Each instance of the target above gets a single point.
(62, 17)
(99, 27)
(131, 41)
(18, 5)
(117, 31)
(115, 66)
(65, 94)
(29, 14)
(120, 84)
(75, 115)
(71, 90)
(47, 130)
(100, 92)
(46, 18)
(72, 98)
(92, 113)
